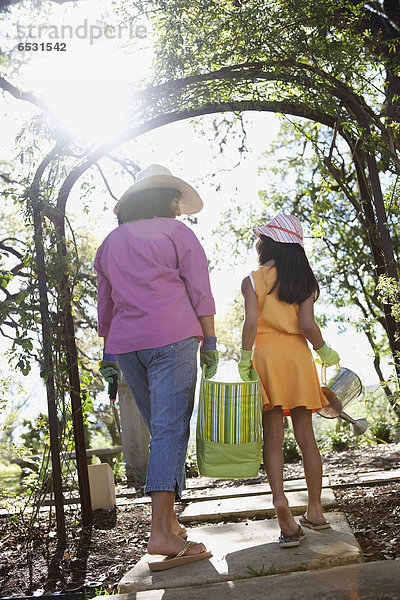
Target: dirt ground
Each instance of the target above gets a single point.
(98, 556)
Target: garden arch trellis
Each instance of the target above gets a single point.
(257, 86)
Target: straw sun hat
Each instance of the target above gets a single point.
(157, 176)
(282, 228)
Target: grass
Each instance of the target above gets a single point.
(10, 477)
(263, 572)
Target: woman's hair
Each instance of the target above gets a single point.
(155, 202)
(295, 279)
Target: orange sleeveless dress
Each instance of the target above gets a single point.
(282, 357)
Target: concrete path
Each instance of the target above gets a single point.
(203, 493)
(255, 489)
(247, 562)
(249, 507)
(379, 476)
(369, 581)
(200, 494)
(239, 549)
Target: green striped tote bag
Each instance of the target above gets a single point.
(229, 429)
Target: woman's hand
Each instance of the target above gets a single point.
(108, 369)
(209, 359)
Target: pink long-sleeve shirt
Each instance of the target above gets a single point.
(152, 284)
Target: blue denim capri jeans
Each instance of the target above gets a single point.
(162, 381)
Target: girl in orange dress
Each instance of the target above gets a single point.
(279, 319)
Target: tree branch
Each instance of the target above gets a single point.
(7, 179)
(129, 166)
(295, 109)
(349, 195)
(5, 335)
(106, 182)
(9, 249)
(14, 91)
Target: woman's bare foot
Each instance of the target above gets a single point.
(177, 528)
(170, 545)
(287, 524)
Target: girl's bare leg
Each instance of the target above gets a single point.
(273, 462)
(312, 463)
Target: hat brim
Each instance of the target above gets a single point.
(189, 204)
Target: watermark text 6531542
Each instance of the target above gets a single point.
(42, 46)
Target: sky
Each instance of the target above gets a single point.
(88, 86)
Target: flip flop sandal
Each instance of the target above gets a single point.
(291, 540)
(182, 532)
(316, 526)
(179, 559)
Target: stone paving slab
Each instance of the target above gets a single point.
(227, 492)
(379, 475)
(369, 477)
(235, 546)
(204, 493)
(251, 489)
(250, 506)
(368, 581)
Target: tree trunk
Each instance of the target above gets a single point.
(383, 256)
(48, 375)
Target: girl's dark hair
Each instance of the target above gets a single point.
(295, 279)
(155, 202)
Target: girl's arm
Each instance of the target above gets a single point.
(313, 333)
(308, 324)
(250, 315)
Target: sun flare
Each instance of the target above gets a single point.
(87, 95)
(88, 77)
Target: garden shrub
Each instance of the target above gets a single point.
(191, 462)
(382, 432)
(339, 441)
(290, 449)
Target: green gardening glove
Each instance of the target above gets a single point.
(245, 366)
(209, 359)
(328, 356)
(109, 368)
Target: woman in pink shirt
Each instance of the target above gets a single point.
(154, 304)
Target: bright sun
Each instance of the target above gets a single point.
(88, 87)
(89, 95)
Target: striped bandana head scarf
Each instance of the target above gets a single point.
(282, 228)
